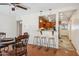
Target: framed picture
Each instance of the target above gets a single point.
(47, 22)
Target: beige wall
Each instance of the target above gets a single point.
(8, 25)
(30, 22)
(75, 29)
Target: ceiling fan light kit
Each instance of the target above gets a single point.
(13, 9)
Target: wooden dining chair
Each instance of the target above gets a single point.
(20, 46)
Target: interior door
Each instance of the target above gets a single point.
(19, 27)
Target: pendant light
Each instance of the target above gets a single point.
(40, 20)
(49, 16)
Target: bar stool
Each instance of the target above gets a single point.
(43, 41)
(36, 40)
(51, 39)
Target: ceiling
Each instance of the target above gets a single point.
(36, 7)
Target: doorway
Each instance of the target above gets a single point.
(19, 27)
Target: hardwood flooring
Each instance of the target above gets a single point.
(33, 50)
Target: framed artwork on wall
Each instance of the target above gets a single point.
(47, 22)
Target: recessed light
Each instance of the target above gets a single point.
(50, 9)
(41, 11)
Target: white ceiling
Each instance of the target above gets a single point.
(36, 7)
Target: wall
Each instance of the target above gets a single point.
(75, 30)
(30, 23)
(30, 26)
(8, 24)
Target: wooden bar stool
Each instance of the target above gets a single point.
(20, 45)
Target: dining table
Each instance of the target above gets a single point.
(5, 42)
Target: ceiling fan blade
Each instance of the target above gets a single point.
(4, 3)
(15, 3)
(21, 7)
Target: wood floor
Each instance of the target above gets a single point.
(33, 50)
(64, 41)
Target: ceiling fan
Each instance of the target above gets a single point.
(18, 5)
